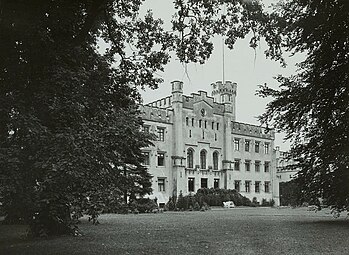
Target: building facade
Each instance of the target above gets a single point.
(201, 145)
(284, 173)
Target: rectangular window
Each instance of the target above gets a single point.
(266, 166)
(247, 145)
(237, 144)
(267, 187)
(192, 122)
(247, 165)
(187, 121)
(217, 126)
(200, 121)
(216, 183)
(161, 159)
(212, 124)
(161, 134)
(161, 184)
(248, 186)
(191, 184)
(204, 183)
(266, 148)
(257, 165)
(146, 129)
(257, 187)
(205, 123)
(237, 164)
(237, 186)
(146, 160)
(256, 146)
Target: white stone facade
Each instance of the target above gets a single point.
(200, 144)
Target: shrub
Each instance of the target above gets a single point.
(196, 206)
(254, 202)
(143, 205)
(204, 198)
(171, 204)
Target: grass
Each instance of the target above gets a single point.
(218, 231)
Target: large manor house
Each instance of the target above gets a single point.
(201, 145)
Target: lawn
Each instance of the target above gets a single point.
(218, 231)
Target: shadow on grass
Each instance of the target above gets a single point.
(342, 223)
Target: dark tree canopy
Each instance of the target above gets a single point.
(312, 106)
(70, 132)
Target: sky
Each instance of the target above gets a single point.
(243, 65)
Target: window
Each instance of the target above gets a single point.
(205, 123)
(191, 184)
(190, 158)
(256, 147)
(189, 133)
(266, 166)
(237, 164)
(212, 124)
(215, 137)
(257, 165)
(257, 187)
(266, 148)
(217, 126)
(267, 187)
(203, 159)
(247, 145)
(247, 165)
(161, 184)
(161, 134)
(146, 129)
(248, 186)
(200, 121)
(237, 186)
(237, 144)
(161, 159)
(215, 160)
(192, 122)
(203, 183)
(203, 112)
(216, 183)
(187, 121)
(146, 160)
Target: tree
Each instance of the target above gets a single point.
(70, 135)
(312, 106)
(70, 128)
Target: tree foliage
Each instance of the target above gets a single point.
(70, 132)
(312, 106)
(198, 21)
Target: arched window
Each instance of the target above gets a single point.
(203, 159)
(215, 160)
(190, 158)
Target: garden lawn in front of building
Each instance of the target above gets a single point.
(217, 231)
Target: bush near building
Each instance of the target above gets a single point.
(206, 197)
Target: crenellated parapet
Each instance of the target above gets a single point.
(252, 130)
(156, 114)
(219, 89)
(163, 103)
